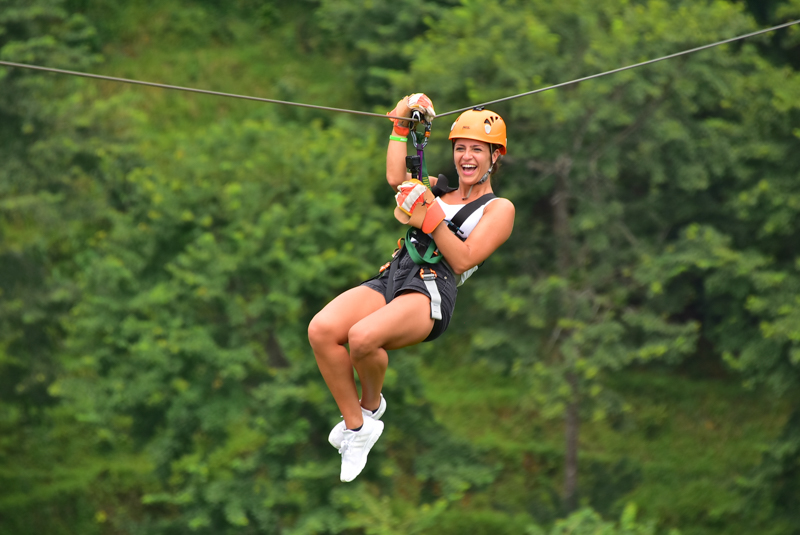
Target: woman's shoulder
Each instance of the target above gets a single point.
(499, 204)
(500, 211)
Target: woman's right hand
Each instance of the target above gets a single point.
(406, 105)
(401, 110)
(396, 171)
(422, 103)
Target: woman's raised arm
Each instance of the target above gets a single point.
(396, 172)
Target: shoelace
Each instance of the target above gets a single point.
(345, 445)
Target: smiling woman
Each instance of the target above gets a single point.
(413, 297)
(478, 135)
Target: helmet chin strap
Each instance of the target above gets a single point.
(483, 179)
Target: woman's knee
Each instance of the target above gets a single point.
(323, 330)
(362, 341)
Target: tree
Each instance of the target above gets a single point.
(48, 144)
(612, 178)
(187, 351)
(379, 33)
(588, 522)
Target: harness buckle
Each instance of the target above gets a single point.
(429, 278)
(385, 267)
(427, 274)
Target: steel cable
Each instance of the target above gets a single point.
(648, 62)
(193, 90)
(370, 114)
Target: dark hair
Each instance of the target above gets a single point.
(497, 164)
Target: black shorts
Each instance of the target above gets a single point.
(445, 282)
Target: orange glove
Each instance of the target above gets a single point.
(419, 102)
(411, 201)
(423, 104)
(433, 216)
(416, 206)
(401, 128)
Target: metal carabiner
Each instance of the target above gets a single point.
(417, 117)
(416, 164)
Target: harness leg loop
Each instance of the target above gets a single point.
(428, 276)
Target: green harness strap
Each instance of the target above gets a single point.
(431, 255)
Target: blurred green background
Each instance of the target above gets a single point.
(628, 363)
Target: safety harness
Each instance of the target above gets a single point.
(417, 244)
(424, 253)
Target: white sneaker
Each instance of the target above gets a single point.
(337, 433)
(356, 446)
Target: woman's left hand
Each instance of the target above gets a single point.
(416, 206)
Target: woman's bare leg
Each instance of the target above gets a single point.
(328, 334)
(405, 321)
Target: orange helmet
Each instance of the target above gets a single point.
(481, 125)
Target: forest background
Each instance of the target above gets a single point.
(628, 363)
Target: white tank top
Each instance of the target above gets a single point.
(450, 211)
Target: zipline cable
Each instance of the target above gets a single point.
(370, 114)
(571, 82)
(193, 90)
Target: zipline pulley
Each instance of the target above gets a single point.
(416, 163)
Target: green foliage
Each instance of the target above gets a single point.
(771, 490)
(646, 190)
(679, 450)
(191, 317)
(187, 346)
(381, 31)
(46, 202)
(162, 253)
(590, 523)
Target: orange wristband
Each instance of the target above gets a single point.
(401, 130)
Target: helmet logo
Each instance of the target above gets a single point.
(487, 128)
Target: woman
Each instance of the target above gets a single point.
(419, 301)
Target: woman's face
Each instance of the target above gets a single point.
(472, 159)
